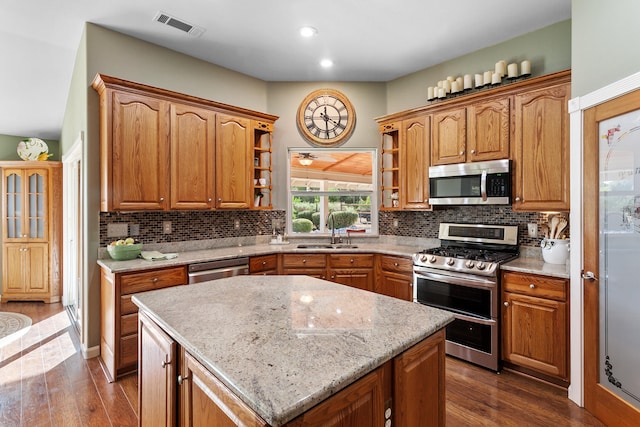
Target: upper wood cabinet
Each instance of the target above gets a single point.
(234, 162)
(162, 150)
(541, 149)
(449, 137)
(488, 130)
(414, 155)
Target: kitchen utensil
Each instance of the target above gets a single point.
(553, 227)
(562, 224)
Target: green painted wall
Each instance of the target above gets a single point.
(605, 43)
(9, 145)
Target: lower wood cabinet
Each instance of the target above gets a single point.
(535, 328)
(119, 316)
(263, 265)
(314, 265)
(355, 270)
(176, 389)
(394, 277)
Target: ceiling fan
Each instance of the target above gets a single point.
(305, 159)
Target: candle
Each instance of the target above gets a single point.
(446, 85)
(479, 80)
(455, 87)
(500, 68)
(496, 79)
(450, 79)
(487, 77)
(430, 93)
(439, 84)
(525, 68)
(441, 92)
(468, 84)
(512, 71)
(460, 84)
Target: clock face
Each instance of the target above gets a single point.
(326, 118)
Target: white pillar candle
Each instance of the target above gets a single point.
(496, 79)
(460, 84)
(525, 67)
(450, 79)
(487, 77)
(430, 93)
(468, 84)
(512, 70)
(441, 92)
(455, 88)
(446, 85)
(439, 84)
(500, 68)
(479, 80)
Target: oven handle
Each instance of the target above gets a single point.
(454, 278)
(483, 185)
(481, 320)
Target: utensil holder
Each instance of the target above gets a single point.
(555, 251)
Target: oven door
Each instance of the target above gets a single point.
(465, 294)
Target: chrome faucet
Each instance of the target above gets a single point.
(333, 229)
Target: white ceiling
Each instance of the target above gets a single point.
(368, 40)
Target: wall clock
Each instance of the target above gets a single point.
(326, 118)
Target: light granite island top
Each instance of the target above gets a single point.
(283, 344)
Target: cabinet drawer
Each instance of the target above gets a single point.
(350, 260)
(303, 260)
(155, 279)
(127, 306)
(534, 285)
(396, 264)
(263, 263)
(128, 350)
(129, 324)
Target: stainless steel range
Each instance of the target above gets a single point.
(462, 276)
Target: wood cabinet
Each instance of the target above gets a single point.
(488, 130)
(263, 265)
(162, 150)
(355, 270)
(414, 155)
(192, 157)
(535, 328)
(449, 137)
(394, 277)
(119, 315)
(314, 265)
(157, 371)
(541, 149)
(262, 164)
(390, 165)
(31, 231)
(407, 391)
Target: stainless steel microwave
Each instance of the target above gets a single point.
(478, 183)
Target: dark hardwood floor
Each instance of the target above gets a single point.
(45, 381)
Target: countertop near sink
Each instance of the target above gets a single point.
(191, 257)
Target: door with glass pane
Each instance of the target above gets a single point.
(611, 287)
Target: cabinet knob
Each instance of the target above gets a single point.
(304, 261)
(517, 198)
(395, 264)
(461, 153)
(264, 262)
(219, 199)
(333, 277)
(154, 280)
(162, 199)
(209, 199)
(532, 286)
(181, 379)
(473, 151)
(506, 303)
(165, 363)
(352, 260)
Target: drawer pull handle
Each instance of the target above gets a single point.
(395, 264)
(333, 277)
(154, 280)
(352, 260)
(181, 379)
(532, 286)
(304, 261)
(506, 303)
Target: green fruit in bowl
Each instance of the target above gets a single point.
(129, 241)
(120, 242)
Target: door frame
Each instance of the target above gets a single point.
(577, 106)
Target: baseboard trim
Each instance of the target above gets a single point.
(91, 352)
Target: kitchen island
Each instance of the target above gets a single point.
(288, 350)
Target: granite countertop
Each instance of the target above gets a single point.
(535, 265)
(202, 255)
(283, 344)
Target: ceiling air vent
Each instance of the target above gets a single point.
(166, 19)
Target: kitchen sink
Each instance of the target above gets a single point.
(321, 246)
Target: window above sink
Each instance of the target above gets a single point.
(339, 181)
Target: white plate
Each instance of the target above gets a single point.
(32, 148)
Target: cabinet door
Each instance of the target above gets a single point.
(488, 130)
(26, 268)
(395, 285)
(535, 334)
(263, 265)
(541, 150)
(192, 157)
(140, 153)
(234, 162)
(419, 389)
(206, 401)
(361, 278)
(415, 161)
(448, 137)
(360, 404)
(157, 369)
(26, 204)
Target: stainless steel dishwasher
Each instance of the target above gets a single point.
(211, 270)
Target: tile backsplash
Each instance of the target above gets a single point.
(208, 225)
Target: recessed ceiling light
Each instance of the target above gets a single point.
(326, 63)
(308, 31)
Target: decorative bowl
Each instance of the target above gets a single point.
(124, 252)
